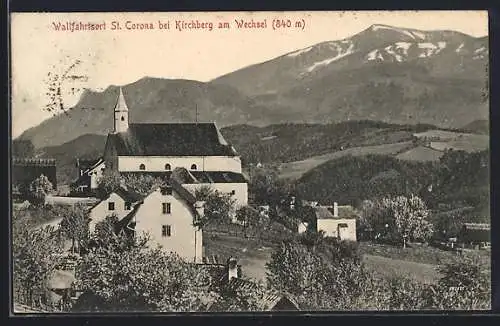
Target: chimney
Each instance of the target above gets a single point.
(232, 268)
(200, 208)
(335, 209)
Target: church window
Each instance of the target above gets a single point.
(168, 167)
(193, 167)
(142, 167)
(123, 118)
(111, 206)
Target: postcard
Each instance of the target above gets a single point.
(250, 161)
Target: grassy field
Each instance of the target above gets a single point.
(296, 169)
(421, 153)
(251, 254)
(419, 263)
(390, 267)
(421, 254)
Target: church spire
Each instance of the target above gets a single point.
(121, 114)
(121, 105)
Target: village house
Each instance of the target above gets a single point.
(119, 203)
(169, 215)
(89, 174)
(228, 280)
(476, 235)
(336, 221)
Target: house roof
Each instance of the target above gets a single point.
(477, 226)
(178, 188)
(268, 300)
(171, 139)
(184, 176)
(322, 212)
(346, 211)
(126, 194)
(191, 177)
(61, 280)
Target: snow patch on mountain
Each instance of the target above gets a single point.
(374, 55)
(413, 34)
(340, 54)
(299, 52)
(430, 49)
(480, 53)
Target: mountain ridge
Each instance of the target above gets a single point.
(383, 73)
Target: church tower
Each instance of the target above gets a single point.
(121, 114)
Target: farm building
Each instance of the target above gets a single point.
(336, 221)
(475, 233)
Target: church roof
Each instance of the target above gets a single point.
(171, 139)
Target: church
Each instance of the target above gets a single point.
(159, 148)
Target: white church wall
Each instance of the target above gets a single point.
(157, 164)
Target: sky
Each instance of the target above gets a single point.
(119, 57)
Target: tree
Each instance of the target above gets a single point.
(108, 183)
(465, 285)
(143, 279)
(401, 218)
(316, 279)
(218, 207)
(142, 183)
(267, 188)
(35, 254)
(39, 189)
(248, 216)
(75, 226)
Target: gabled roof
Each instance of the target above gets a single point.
(268, 300)
(171, 139)
(125, 194)
(178, 188)
(322, 212)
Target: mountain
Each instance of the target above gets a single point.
(87, 146)
(384, 73)
(478, 127)
(149, 100)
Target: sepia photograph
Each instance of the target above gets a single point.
(211, 162)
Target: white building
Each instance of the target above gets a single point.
(168, 215)
(159, 148)
(336, 221)
(119, 203)
(88, 175)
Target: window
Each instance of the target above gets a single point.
(343, 225)
(168, 167)
(123, 119)
(111, 206)
(193, 167)
(166, 231)
(166, 208)
(128, 206)
(142, 167)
